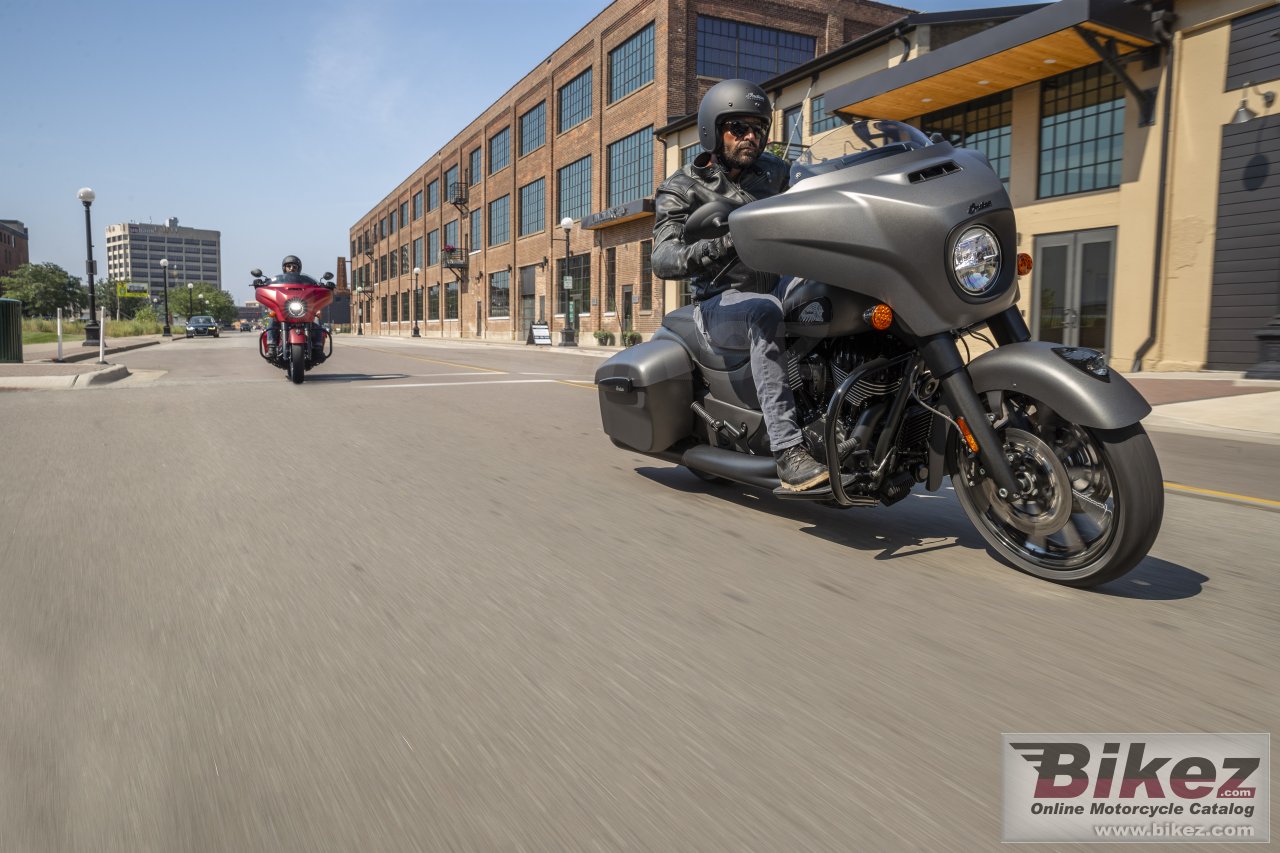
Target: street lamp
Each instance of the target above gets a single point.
(91, 329)
(359, 309)
(164, 265)
(190, 289)
(413, 309)
(569, 334)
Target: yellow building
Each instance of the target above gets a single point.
(1139, 143)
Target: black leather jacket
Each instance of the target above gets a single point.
(684, 192)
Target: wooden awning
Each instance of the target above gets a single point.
(1061, 37)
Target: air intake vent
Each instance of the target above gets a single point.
(933, 172)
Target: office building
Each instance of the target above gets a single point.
(135, 249)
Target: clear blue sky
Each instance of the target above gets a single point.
(236, 115)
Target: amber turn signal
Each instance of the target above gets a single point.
(1024, 263)
(879, 317)
(968, 435)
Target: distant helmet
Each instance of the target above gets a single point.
(291, 259)
(730, 98)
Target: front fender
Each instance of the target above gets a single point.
(1039, 369)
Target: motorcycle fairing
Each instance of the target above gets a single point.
(860, 228)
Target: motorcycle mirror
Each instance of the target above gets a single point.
(255, 272)
(327, 276)
(709, 220)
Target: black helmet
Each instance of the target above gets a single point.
(291, 259)
(730, 98)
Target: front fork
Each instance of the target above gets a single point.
(942, 357)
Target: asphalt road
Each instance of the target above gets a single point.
(421, 603)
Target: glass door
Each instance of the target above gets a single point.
(1072, 290)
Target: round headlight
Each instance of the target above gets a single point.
(295, 307)
(976, 259)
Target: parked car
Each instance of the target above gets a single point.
(202, 326)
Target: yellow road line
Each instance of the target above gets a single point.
(579, 383)
(437, 361)
(1196, 490)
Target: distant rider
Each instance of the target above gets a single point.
(290, 264)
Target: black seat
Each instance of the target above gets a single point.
(680, 323)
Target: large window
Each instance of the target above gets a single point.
(533, 129)
(451, 300)
(689, 153)
(575, 189)
(477, 231)
(404, 214)
(433, 248)
(500, 294)
(533, 208)
(450, 178)
(451, 235)
(819, 121)
(417, 252)
(610, 280)
(499, 150)
(730, 49)
(983, 125)
(631, 64)
(404, 306)
(500, 221)
(476, 172)
(646, 275)
(631, 167)
(433, 195)
(575, 101)
(417, 205)
(579, 268)
(433, 302)
(1081, 132)
(793, 131)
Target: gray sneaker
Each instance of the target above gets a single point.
(799, 471)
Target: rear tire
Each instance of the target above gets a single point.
(1087, 530)
(297, 363)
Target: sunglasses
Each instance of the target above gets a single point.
(741, 128)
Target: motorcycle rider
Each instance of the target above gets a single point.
(736, 307)
(290, 264)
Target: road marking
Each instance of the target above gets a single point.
(1229, 496)
(471, 384)
(578, 383)
(438, 361)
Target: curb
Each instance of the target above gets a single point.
(100, 377)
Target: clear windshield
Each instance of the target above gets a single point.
(863, 140)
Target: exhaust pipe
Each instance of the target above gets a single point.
(759, 471)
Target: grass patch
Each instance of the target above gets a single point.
(35, 331)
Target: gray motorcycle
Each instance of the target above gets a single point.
(903, 252)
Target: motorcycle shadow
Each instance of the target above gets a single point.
(890, 533)
(355, 377)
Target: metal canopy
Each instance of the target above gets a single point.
(1037, 45)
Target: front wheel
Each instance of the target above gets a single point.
(297, 365)
(1092, 499)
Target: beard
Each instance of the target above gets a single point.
(741, 156)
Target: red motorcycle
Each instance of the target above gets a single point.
(294, 342)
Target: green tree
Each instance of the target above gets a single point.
(44, 288)
(206, 299)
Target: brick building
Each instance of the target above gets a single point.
(14, 249)
(574, 139)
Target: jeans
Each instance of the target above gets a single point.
(742, 320)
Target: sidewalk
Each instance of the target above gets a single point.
(79, 367)
(1217, 404)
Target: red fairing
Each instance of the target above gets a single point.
(314, 297)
